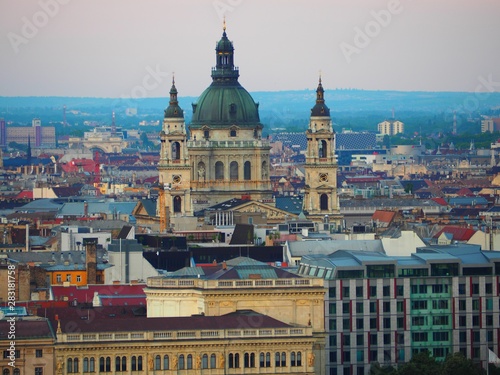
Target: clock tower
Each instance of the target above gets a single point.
(320, 199)
(174, 169)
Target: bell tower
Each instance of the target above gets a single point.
(320, 199)
(174, 169)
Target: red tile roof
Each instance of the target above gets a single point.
(27, 329)
(25, 194)
(459, 233)
(383, 216)
(440, 201)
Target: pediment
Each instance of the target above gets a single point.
(272, 213)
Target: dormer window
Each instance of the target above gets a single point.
(206, 134)
(232, 132)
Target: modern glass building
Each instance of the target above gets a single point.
(384, 309)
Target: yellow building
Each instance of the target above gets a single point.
(117, 340)
(31, 350)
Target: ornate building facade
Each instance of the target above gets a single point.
(320, 198)
(224, 155)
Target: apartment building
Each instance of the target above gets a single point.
(384, 309)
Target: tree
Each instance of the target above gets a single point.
(421, 363)
(457, 364)
(376, 369)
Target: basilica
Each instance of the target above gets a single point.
(221, 154)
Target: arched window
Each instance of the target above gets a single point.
(139, 363)
(246, 360)
(233, 170)
(219, 170)
(157, 362)
(252, 359)
(118, 364)
(323, 202)
(6, 371)
(108, 364)
(189, 362)
(283, 359)
(268, 359)
(277, 361)
(177, 204)
(232, 132)
(166, 362)
(206, 134)
(134, 363)
(323, 148)
(213, 361)
(247, 171)
(69, 365)
(181, 362)
(237, 360)
(204, 361)
(299, 359)
(292, 359)
(176, 151)
(17, 371)
(124, 363)
(261, 360)
(76, 365)
(92, 364)
(85, 364)
(231, 360)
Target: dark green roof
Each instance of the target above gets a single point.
(320, 109)
(225, 105)
(173, 110)
(225, 102)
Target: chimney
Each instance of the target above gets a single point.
(91, 263)
(85, 209)
(224, 265)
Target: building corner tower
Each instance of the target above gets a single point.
(320, 198)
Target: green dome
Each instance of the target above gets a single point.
(225, 105)
(173, 110)
(225, 102)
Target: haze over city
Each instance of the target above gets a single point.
(108, 49)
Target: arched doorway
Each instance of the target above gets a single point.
(177, 204)
(323, 202)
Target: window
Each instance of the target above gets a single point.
(78, 278)
(333, 324)
(38, 353)
(346, 324)
(400, 290)
(166, 362)
(440, 336)
(475, 288)
(92, 364)
(68, 277)
(345, 292)
(58, 278)
(462, 336)
(206, 134)
(387, 338)
(38, 370)
(283, 359)
(359, 307)
(488, 288)
(233, 171)
(157, 364)
(332, 292)
(419, 305)
(373, 291)
(219, 170)
(189, 362)
(249, 360)
(232, 133)
(181, 364)
(359, 323)
(461, 289)
(134, 363)
(234, 360)
(373, 323)
(440, 304)
(359, 291)
(387, 323)
(475, 320)
(400, 306)
(204, 361)
(440, 320)
(347, 355)
(295, 359)
(373, 339)
(462, 321)
(247, 171)
(386, 291)
(360, 340)
(387, 307)
(373, 355)
(345, 307)
(373, 307)
(489, 320)
(417, 321)
(333, 340)
(347, 340)
(124, 363)
(333, 356)
(400, 323)
(475, 304)
(419, 336)
(462, 305)
(333, 308)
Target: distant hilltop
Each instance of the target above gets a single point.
(283, 103)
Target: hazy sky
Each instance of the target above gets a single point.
(113, 48)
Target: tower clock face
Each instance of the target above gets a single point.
(176, 179)
(323, 177)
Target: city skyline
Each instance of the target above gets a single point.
(125, 48)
